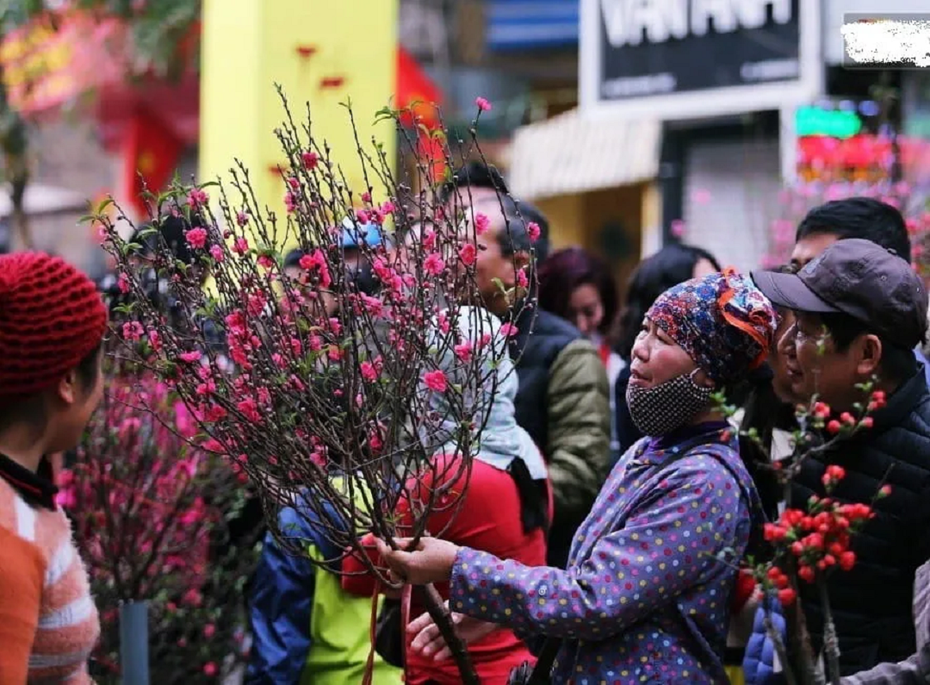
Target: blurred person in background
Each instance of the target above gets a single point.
(578, 286)
(563, 400)
(52, 325)
(671, 265)
(855, 217)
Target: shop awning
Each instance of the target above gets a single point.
(571, 153)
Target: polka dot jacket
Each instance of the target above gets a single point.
(645, 598)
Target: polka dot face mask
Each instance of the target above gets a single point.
(667, 406)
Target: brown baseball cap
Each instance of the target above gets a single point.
(859, 278)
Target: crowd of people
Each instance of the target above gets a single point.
(612, 497)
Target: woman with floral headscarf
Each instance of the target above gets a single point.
(645, 596)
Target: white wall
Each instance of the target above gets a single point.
(731, 197)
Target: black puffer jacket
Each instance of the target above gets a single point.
(872, 603)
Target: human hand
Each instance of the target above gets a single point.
(430, 562)
(429, 641)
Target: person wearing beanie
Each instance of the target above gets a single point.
(644, 598)
(52, 323)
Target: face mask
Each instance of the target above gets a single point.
(667, 406)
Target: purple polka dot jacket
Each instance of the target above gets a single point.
(646, 595)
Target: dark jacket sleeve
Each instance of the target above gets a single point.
(578, 452)
(282, 599)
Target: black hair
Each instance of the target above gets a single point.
(668, 267)
(897, 363)
(172, 230)
(476, 175)
(514, 237)
(859, 217)
(292, 258)
(763, 412)
(564, 271)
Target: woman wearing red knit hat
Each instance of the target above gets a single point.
(52, 322)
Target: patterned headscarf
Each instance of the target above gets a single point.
(724, 323)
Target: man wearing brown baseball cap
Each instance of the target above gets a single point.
(860, 310)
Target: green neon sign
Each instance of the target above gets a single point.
(814, 121)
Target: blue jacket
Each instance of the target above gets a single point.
(282, 601)
(305, 628)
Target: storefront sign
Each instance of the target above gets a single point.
(694, 58)
(531, 25)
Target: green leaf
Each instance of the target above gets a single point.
(104, 204)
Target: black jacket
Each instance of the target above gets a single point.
(872, 603)
(564, 404)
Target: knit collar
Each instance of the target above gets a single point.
(35, 487)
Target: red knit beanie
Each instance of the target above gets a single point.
(51, 317)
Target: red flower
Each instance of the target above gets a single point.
(482, 223)
(787, 596)
(197, 197)
(773, 532)
(847, 560)
(806, 573)
(133, 330)
(533, 231)
(316, 261)
(196, 238)
(249, 409)
(847, 418)
(463, 351)
(508, 330)
(369, 371)
(435, 380)
(468, 253)
(821, 410)
(884, 491)
(836, 472)
(867, 422)
(482, 104)
(834, 427)
(310, 159)
(433, 264)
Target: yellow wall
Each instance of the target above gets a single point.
(249, 45)
(566, 219)
(577, 219)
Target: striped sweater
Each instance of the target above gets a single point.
(66, 624)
